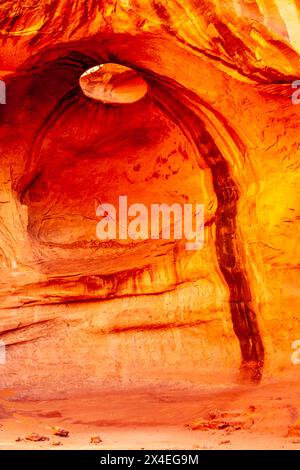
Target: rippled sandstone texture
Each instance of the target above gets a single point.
(217, 127)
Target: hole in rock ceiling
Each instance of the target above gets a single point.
(113, 83)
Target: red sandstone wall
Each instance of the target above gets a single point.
(217, 127)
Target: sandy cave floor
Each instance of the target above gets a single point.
(156, 418)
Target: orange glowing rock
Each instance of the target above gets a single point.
(206, 117)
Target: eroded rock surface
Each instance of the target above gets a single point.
(217, 126)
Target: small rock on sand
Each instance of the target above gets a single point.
(57, 431)
(294, 429)
(56, 443)
(36, 437)
(96, 440)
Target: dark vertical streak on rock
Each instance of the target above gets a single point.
(229, 250)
